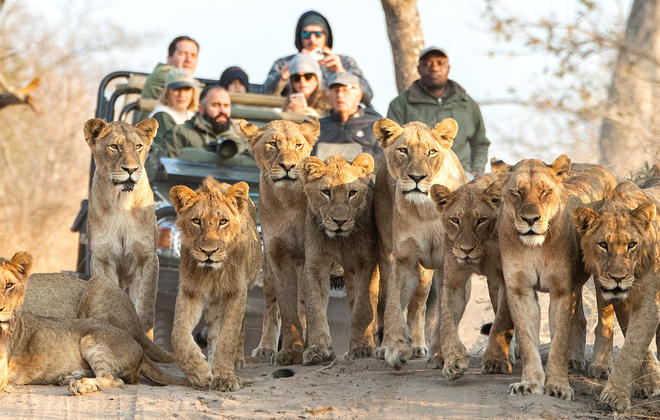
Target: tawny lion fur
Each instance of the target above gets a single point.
(619, 238)
(220, 260)
(540, 252)
(278, 148)
(86, 354)
(409, 229)
(340, 229)
(121, 221)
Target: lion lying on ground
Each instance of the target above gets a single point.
(278, 149)
(40, 350)
(220, 260)
(60, 296)
(409, 228)
(469, 215)
(121, 221)
(619, 237)
(339, 229)
(540, 252)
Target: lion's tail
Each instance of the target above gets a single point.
(153, 351)
(153, 373)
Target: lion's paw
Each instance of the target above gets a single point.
(227, 384)
(616, 400)
(359, 353)
(561, 391)
(7, 389)
(380, 353)
(314, 355)
(420, 352)
(454, 367)
(201, 380)
(398, 354)
(577, 365)
(599, 371)
(496, 367)
(82, 387)
(525, 388)
(287, 357)
(646, 386)
(436, 361)
(264, 354)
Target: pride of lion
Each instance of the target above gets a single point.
(392, 222)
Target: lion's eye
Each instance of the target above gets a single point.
(603, 245)
(114, 147)
(9, 286)
(402, 150)
(138, 147)
(632, 245)
(271, 145)
(545, 193)
(351, 193)
(326, 192)
(455, 220)
(515, 193)
(299, 146)
(196, 221)
(223, 222)
(433, 152)
(482, 220)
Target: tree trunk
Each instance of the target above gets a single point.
(632, 126)
(406, 39)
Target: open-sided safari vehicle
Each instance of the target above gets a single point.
(117, 99)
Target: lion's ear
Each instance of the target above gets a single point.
(22, 262)
(561, 166)
(499, 166)
(442, 196)
(182, 197)
(310, 129)
(386, 131)
(94, 129)
(311, 168)
(644, 215)
(150, 128)
(239, 193)
(251, 131)
(493, 194)
(585, 219)
(365, 162)
(445, 132)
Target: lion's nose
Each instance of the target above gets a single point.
(617, 278)
(416, 178)
(130, 170)
(339, 222)
(467, 251)
(287, 166)
(208, 252)
(530, 220)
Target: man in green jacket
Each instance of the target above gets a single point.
(434, 97)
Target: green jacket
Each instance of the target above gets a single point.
(196, 134)
(470, 144)
(152, 88)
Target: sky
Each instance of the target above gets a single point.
(253, 33)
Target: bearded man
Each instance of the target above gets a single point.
(434, 97)
(210, 135)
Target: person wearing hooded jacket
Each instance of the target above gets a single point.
(314, 37)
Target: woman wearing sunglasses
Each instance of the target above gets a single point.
(305, 83)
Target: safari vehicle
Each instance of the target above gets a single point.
(117, 99)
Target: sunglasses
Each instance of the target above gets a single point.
(295, 78)
(307, 34)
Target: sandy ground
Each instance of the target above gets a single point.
(359, 389)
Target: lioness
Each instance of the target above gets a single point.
(417, 158)
(339, 229)
(40, 350)
(469, 215)
(620, 241)
(121, 221)
(540, 251)
(278, 149)
(220, 259)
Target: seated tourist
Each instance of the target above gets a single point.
(307, 95)
(235, 80)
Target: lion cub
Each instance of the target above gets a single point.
(39, 350)
(220, 260)
(340, 229)
(121, 221)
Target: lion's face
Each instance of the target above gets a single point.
(417, 155)
(337, 191)
(280, 146)
(533, 195)
(469, 216)
(617, 244)
(13, 279)
(120, 149)
(210, 219)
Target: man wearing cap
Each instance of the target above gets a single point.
(235, 80)
(212, 123)
(348, 129)
(434, 97)
(314, 37)
(181, 54)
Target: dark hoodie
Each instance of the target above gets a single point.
(275, 85)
